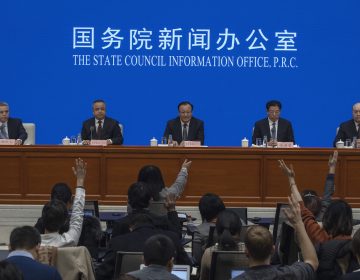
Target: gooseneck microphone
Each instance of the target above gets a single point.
(92, 128)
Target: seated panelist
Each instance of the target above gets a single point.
(276, 129)
(11, 128)
(185, 127)
(101, 127)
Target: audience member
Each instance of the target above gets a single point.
(24, 248)
(228, 228)
(62, 192)
(55, 213)
(185, 127)
(274, 128)
(355, 275)
(337, 219)
(159, 253)
(141, 230)
(210, 205)
(11, 128)
(9, 271)
(333, 238)
(311, 199)
(259, 247)
(349, 129)
(151, 175)
(139, 196)
(101, 127)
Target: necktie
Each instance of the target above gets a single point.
(184, 133)
(273, 131)
(358, 132)
(98, 132)
(3, 134)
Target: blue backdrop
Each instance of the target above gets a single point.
(51, 72)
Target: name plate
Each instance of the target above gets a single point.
(98, 143)
(285, 144)
(192, 144)
(7, 142)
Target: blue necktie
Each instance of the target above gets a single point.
(273, 131)
(3, 134)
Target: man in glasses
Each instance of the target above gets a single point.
(11, 128)
(185, 127)
(274, 128)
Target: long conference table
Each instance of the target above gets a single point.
(247, 177)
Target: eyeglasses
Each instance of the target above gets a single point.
(274, 112)
(5, 111)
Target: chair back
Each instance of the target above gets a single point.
(289, 250)
(127, 261)
(224, 262)
(3, 254)
(241, 212)
(157, 208)
(30, 130)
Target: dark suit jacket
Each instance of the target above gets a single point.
(16, 129)
(170, 222)
(347, 130)
(110, 130)
(196, 130)
(134, 242)
(284, 132)
(34, 270)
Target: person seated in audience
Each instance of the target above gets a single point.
(62, 192)
(311, 199)
(142, 229)
(337, 220)
(9, 271)
(355, 275)
(210, 205)
(333, 238)
(55, 213)
(228, 228)
(24, 249)
(159, 253)
(151, 175)
(259, 248)
(139, 196)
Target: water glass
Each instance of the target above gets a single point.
(348, 143)
(163, 140)
(73, 140)
(259, 142)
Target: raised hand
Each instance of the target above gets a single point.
(186, 164)
(80, 171)
(332, 162)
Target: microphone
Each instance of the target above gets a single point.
(92, 128)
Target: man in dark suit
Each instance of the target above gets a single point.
(11, 128)
(24, 249)
(275, 129)
(350, 128)
(185, 127)
(101, 127)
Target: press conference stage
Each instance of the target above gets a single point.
(241, 176)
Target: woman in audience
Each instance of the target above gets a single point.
(151, 175)
(9, 271)
(337, 219)
(228, 228)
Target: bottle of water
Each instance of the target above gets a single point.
(265, 141)
(170, 140)
(79, 140)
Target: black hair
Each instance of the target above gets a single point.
(9, 271)
(338, 219)
(139, 195)
(228, 224)
(61, 191)
(98, 101)
(151, 175)
(312, 201)
(54, 215)
(210, 205)
(158, 249)
(185, 103)
(25, 238)
(273, 103)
